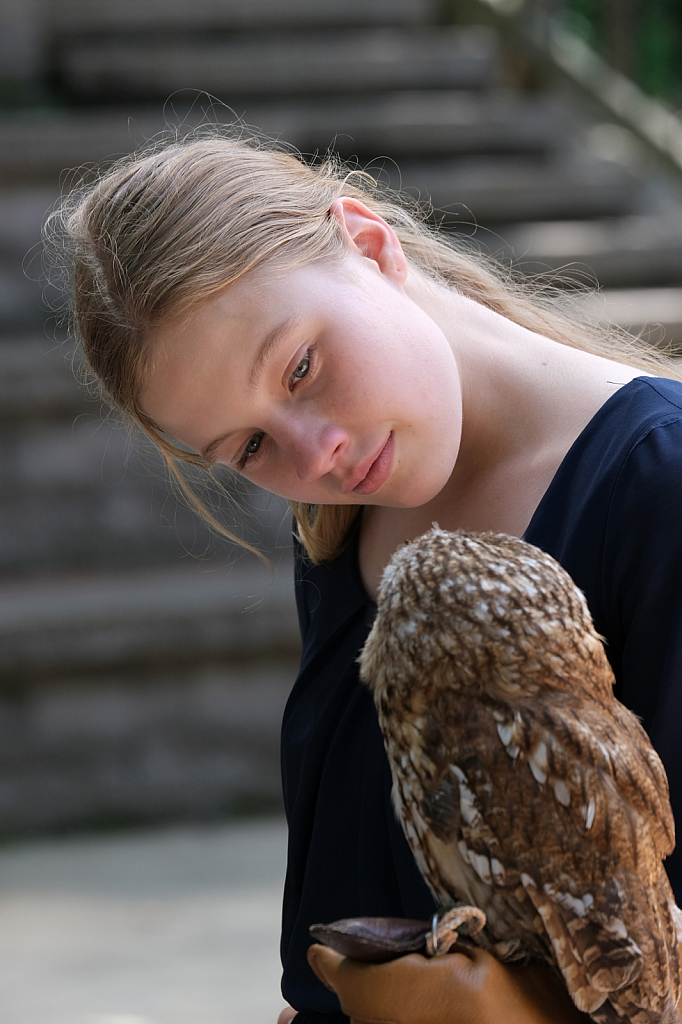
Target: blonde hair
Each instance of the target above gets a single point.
(162, 230)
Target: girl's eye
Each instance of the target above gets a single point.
(301, 370)
(253, 445)
(250, 449)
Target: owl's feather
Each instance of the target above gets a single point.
(522, 785)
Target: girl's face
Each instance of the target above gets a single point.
(324, 384)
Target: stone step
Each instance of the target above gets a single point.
(67, 17)
(635, 250)
(232, 67)
(110, 747)
(82, 495)
(77, 491)
(496, 190)
(38, 381)
(22, 212)
(403, 122)
(409, 122)
(102, 506)
(77, 494)
(655, 313)
(169, 617)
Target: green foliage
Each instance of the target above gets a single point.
(660, 64)
(584, 18)
(654, 44)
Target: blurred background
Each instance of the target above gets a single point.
(144, 664)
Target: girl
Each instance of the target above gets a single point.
(295, 324)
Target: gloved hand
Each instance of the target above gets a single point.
(458, 988)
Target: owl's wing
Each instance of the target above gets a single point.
(599, 957)
(560, 817)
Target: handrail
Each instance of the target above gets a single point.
(541, 25)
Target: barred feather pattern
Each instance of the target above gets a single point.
(523, 786)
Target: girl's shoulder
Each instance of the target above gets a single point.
(612, 515)
(634, 439)
(643, 402)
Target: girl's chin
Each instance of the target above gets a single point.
(420, 492)
(410, 498)
(393, 494)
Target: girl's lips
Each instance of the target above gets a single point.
(379, 470)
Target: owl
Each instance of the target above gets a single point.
(524, 788)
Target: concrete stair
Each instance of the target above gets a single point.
(150, 694)
(344, 61)
(140, 680)
(405, 122)
(632, 250)
(64, 19)
(511, 188)
(173, 616)
(77, 495)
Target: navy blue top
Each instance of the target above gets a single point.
(612, 516)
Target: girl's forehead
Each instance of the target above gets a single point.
(256, 302)
(247, 294)
(225, 322)
(255, 291)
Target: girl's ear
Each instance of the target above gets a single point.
(370, 235)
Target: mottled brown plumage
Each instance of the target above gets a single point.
(523, 787)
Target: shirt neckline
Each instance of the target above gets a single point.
(353, 549)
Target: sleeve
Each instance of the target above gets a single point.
(642, 579)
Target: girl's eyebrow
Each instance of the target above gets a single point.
(208, 453)
(270, 342)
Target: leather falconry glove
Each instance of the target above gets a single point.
(469, 987)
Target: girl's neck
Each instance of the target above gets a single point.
(525, 399)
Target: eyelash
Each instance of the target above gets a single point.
(251, 457)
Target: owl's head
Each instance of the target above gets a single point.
(480, 611)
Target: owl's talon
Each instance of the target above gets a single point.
(511, 950)
(445, 928)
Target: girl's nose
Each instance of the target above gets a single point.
(315, 446)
